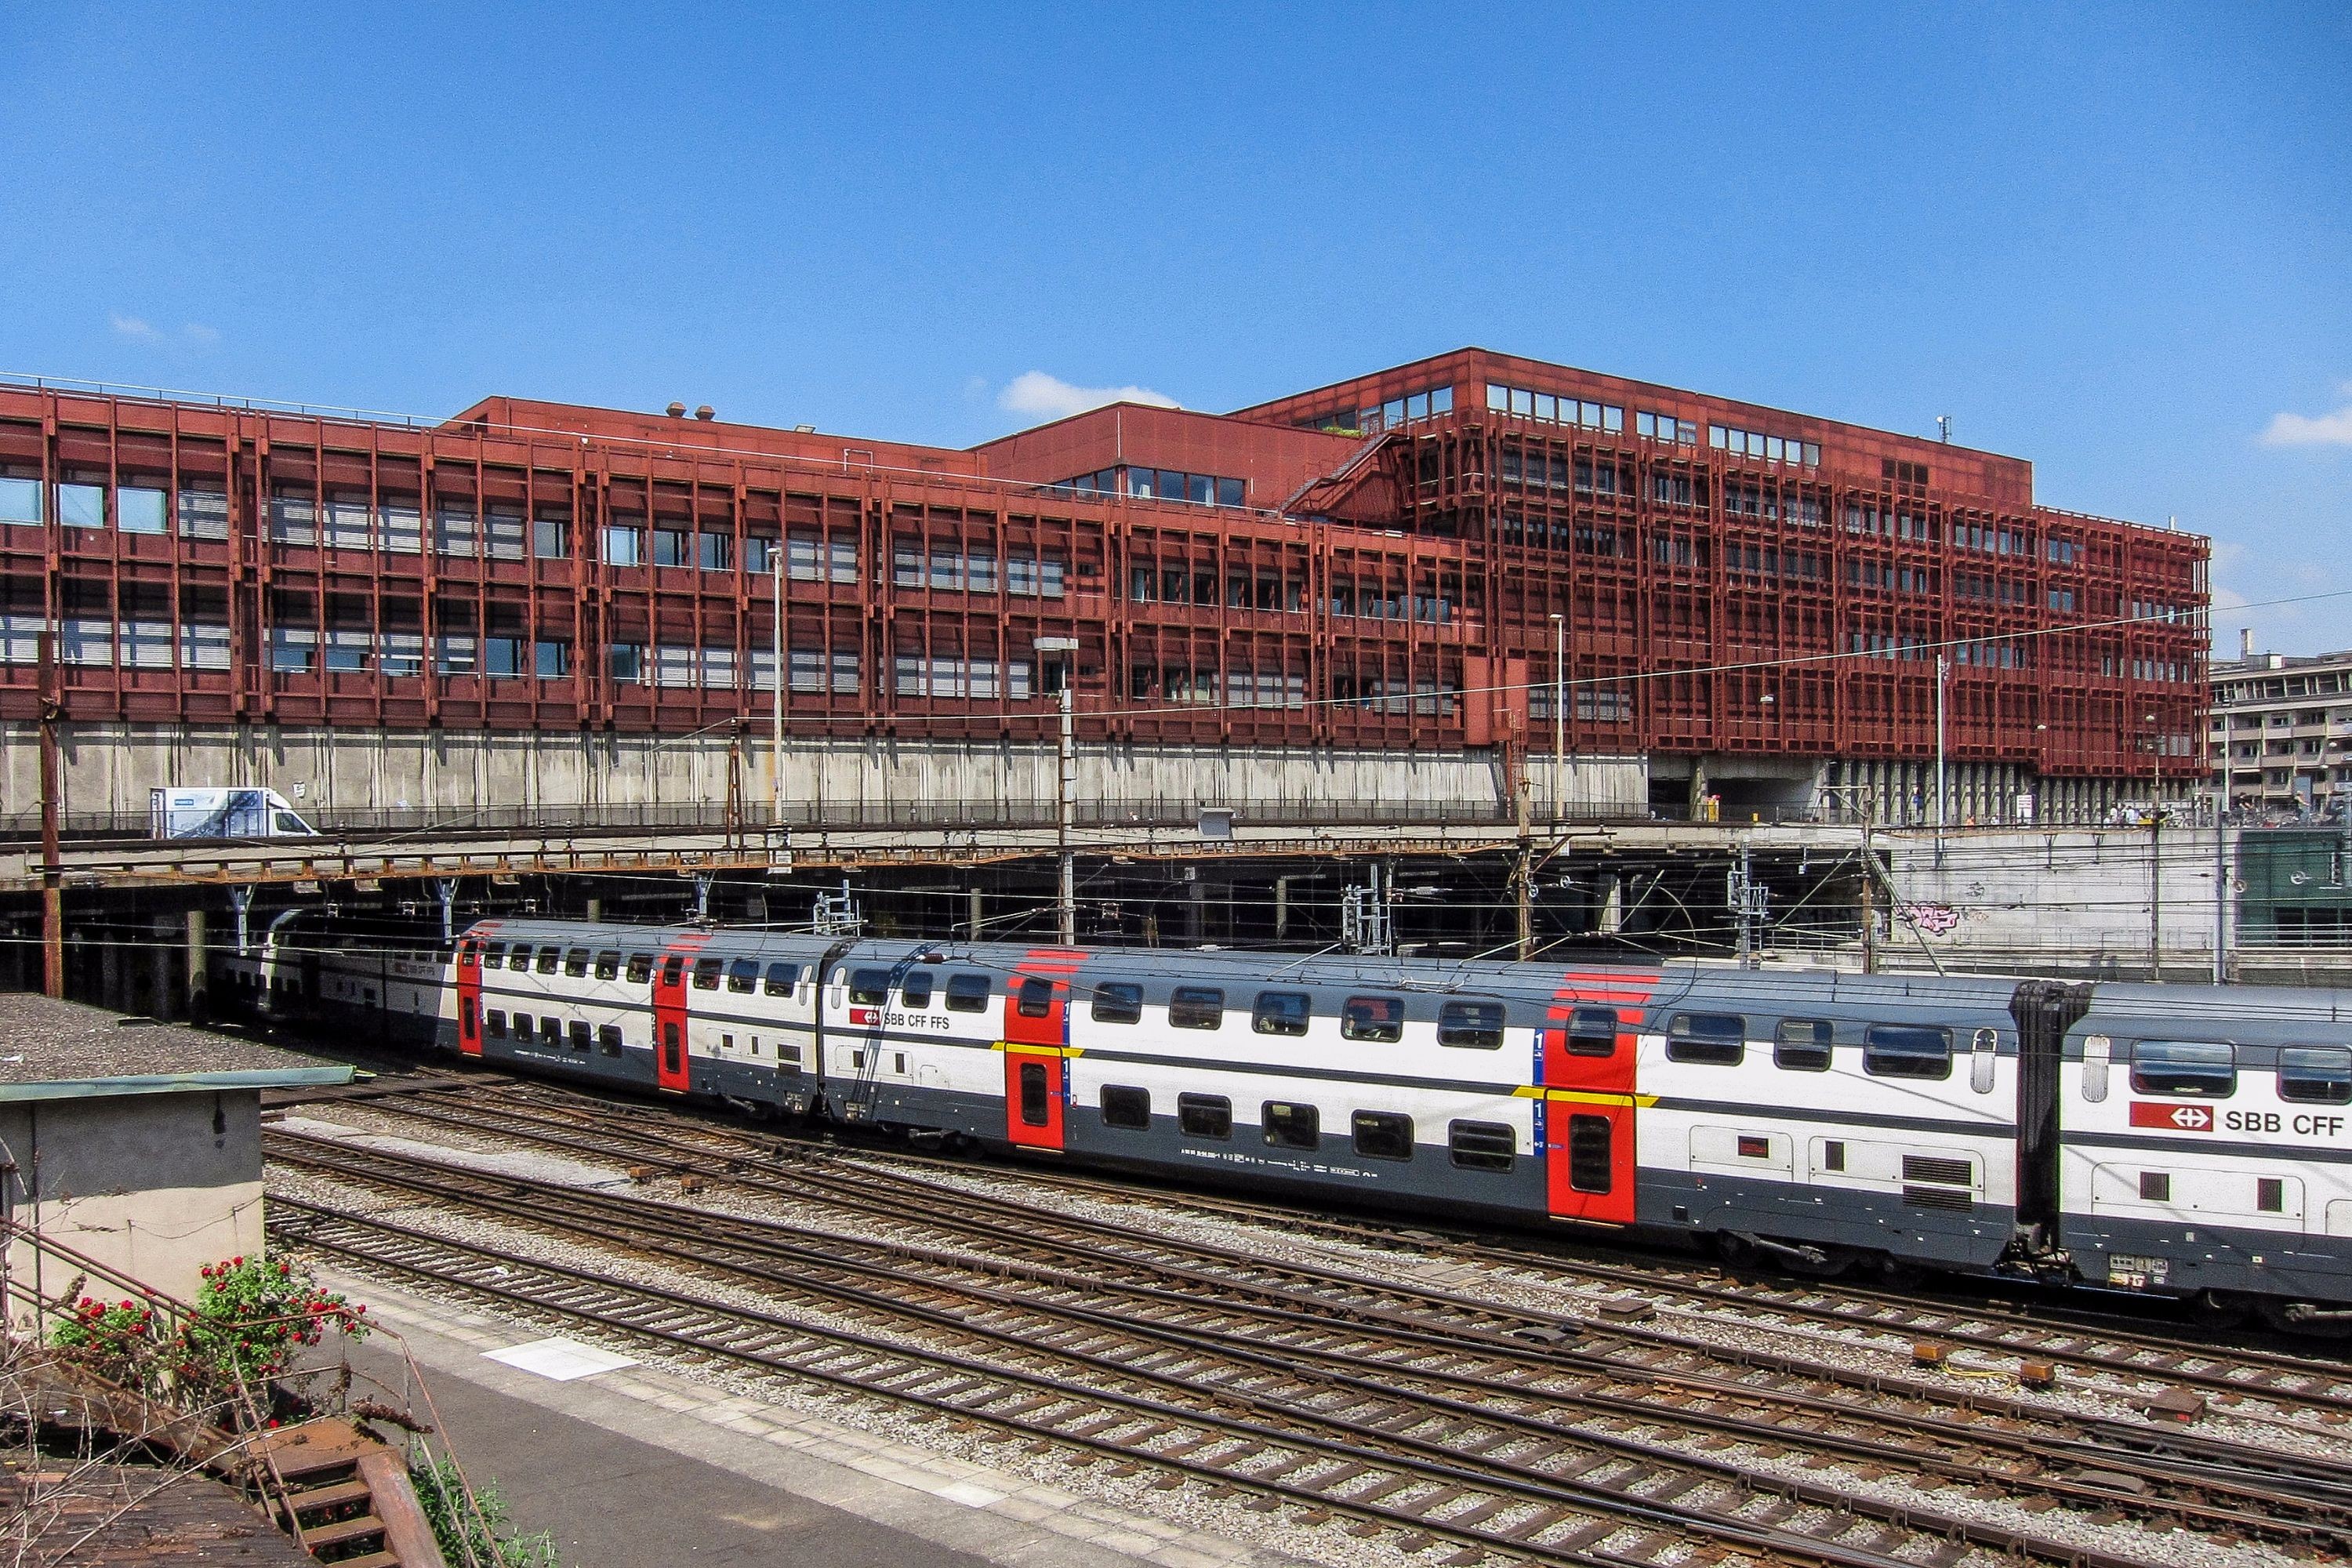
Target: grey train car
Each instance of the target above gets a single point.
(2179, 1140)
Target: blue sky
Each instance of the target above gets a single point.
(2116, 240)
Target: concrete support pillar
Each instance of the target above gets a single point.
(109, 971)
(595, 911)
(196, 1000)
(164, 996)
(1612, 903)
(976, 912)
(1196, 895)
(1281, 907)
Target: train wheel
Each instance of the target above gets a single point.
(1835, 1261)
(1897, 1273)
(2218, 1308)
(1735, 1250)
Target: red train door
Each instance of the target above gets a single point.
(469, 994)
(1585, 1118)
(673, 1057)
(1036, 1045)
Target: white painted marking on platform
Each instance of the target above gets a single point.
(560, 1360)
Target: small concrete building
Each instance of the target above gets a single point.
(134, 1142)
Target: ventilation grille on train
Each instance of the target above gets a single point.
(1939, 1198)
(1943, 1173)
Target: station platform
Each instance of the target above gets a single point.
(638, 1468)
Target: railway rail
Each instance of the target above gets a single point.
(1456, 1408)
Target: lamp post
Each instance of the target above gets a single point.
(1943, 673)
(2154, 850)
(1558, 705)
(776, 739)
(1065, 907)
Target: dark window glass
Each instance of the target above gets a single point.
(743, 976)
(608, 1038)
(608, 963)
(549, 957)
(2270, 1194)
(1719, 1039)
(523, 1028)
(1755, 1146)
(670, 1051)
(869, 987)
(1229, 493)
(582, 1036)
(494, 954)
(641, 968)
(521, 957)
(1380, 1019)
(1036, 997)
(1032, 1094)
(1118, 1004)
(706, 973)
(496, 1021)
(1128, 1108)
(1280, 1012)
(2155, 1186)
(967, 993)
(1382, 1135)
(915, 993)
(1205, 1115)
(1593, 1032)
(1801, 1044)
(672, 967)
(1906, 1050)
(2316, 1074)
(1289, 1125)
(782, 978)
(550, 1032)
(1471, 1026)
(575, 962)
(1834, 1155)
(1481, 1145)
(1196, 1007)
(1589, 1141)
(2184, 1067)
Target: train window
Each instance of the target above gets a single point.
(1716, 1039)
(706, 973)
(1834, 1155)
(1128, 1108)
(1204, 1115)
(1289, 1125)
(1481, 1145)
(608, 963)
(869, 987)
(608, 1038)
(2316, 1074)
(582, 1036)
(1754, 1146)
(967, 993)
(2270, 1194)
(1801, 1044)
(551, 1033)
(494, 953)
(1984, 1058)
(2155, 1186)
(670, 1062)
(914, 991)
(1280, 1012)
(1471, 1026)
(1379, 1019)
(672, 967)
(1196, 1007)
(1036, 997)
(2098, 1051)
(1593, 1032)
(495, 1020)
(522, 1029)
(783, 978)
(549, 957)
(1591, 1147)
(1116, 1003)
(791, 1057)
(1032, 1094)
(1906, 1050)
(641, 968)
(520, 959)
(1382, 1135)
(2184, 1067)
(575, 963)
(743, 976)
(898, 1063)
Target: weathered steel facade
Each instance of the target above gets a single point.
(1375, 564)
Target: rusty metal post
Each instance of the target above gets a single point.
(53, 899)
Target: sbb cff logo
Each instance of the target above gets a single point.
(866, 1015)
(2174, 1117)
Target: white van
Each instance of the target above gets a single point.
(224, 814)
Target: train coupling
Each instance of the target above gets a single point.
(1795, 1252)
(2303, 1315)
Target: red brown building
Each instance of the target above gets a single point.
(1752, 603)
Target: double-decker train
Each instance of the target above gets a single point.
(2180, 1141)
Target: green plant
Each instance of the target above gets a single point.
(474, 1535)
(116, 1341)
(251, 1316)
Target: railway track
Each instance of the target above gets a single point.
(2297, 1390)
(1469, 1398)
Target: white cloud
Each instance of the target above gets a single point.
(200, 335)
(2306, 431)
(1035, 393)
(137, 331)
(194, 334)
